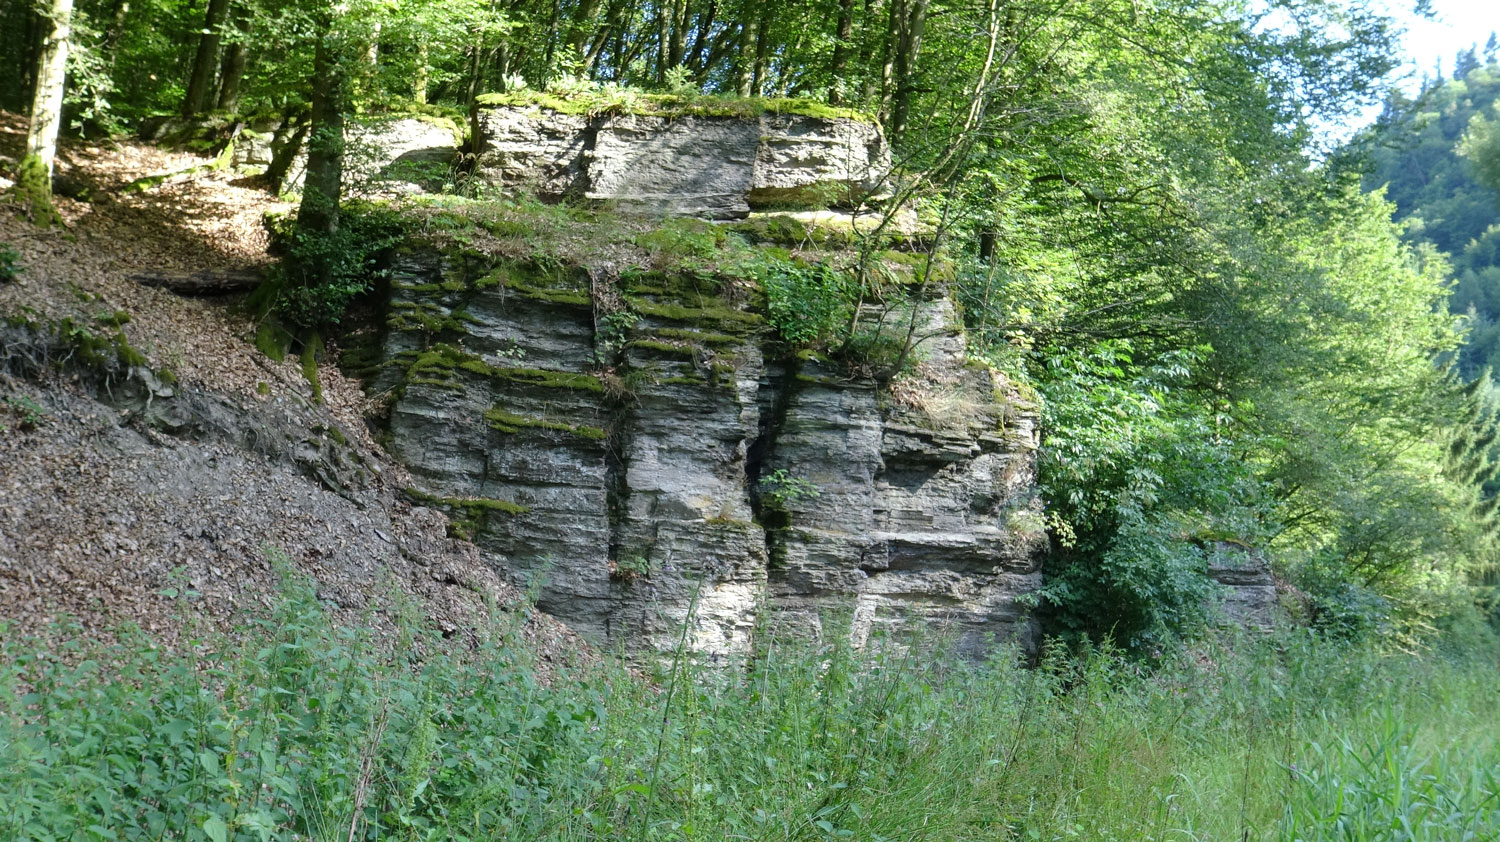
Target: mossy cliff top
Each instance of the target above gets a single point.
(614, 100)
(596, 239)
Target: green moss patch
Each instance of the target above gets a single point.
(440, 364)
(723, 318)
(312, 348)
(698, 337)
(33, 191)
(628, 101)
(686, 352)
(509, 422)
(467, 515)
(549, 379)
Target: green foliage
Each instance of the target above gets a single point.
(808, 303)
(1435, 157)
(10, 263)
(780, 489)
(1481, 145)
(678, 101)
(1133, 471)
(321, 275)
(296, 728)
(28, 414)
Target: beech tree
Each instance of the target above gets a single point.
(34, 179)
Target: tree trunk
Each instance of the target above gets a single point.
(319, 212)
(762, 49)
(579, 29)
(235, 56)
(841, 49)
(744, 70)
(678, 40)
(294, 136)
(204, 63)
(694, 57)
(888, 56)
(907, 47)
(419, 78)
(47, 96)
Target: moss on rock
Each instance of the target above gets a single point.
(509, 422)
(628, 101)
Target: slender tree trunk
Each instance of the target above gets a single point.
(47, 96)
(841, 50)
(206, 61)
(34, 180)
(694, 56)
(744, 61)
(236, 54)
(579, 28)
(372, 49)
(419, 78)
(677, 43)
(319, 212)
(909, 45)
(762, 49)
(869, 50)
(294, 135)
(888, 56)
(663, 39)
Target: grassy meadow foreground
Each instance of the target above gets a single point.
(296, 729)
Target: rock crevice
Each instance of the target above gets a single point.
(704, 472)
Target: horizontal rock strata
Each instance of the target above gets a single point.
(668, 460)
(709, 166)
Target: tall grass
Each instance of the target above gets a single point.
(297, 730)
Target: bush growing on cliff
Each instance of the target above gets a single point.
(322, 274)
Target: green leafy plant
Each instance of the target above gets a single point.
(322, 274)
(780, 489)
(10, 263)
(28, 413)
(631, 568)
(808, 303)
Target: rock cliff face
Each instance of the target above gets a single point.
(710, 166)
(650, 453)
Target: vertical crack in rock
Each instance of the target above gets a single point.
(642, 464)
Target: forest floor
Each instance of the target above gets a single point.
(104, 516)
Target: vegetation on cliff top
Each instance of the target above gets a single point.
(605, 99)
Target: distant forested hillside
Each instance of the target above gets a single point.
(1415, 151)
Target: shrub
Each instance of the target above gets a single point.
(808, 303)
(321, 275)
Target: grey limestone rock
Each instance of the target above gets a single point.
(385, 156)
(710, 166)
(701, 474)
(1249, 591)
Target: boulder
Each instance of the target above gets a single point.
(385, 156)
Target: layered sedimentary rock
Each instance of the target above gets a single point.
(691, 164)
(646, 452)
(385, 155)
(1249, 590)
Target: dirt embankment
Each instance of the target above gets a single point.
(188, 472)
